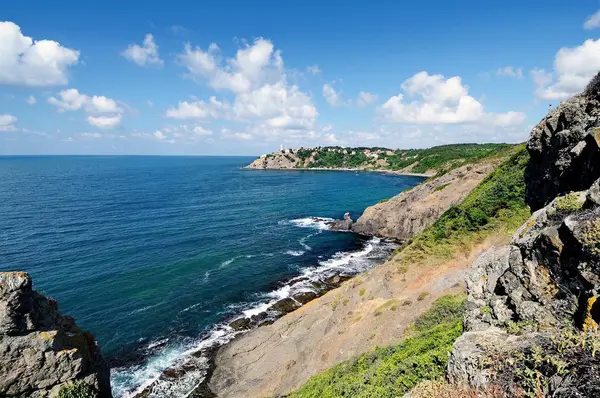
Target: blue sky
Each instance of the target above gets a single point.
(242, 78)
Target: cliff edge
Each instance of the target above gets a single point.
(41, 351)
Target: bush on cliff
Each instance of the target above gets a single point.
(496, 204)
(78, 389)
(393, 371)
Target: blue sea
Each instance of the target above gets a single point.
(155, 255)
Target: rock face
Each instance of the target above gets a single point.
(564, 148)
(342, 225)
(412, 211)
(41, 350)
(277, 161)
(546, 282)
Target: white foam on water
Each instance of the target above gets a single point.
(320, 223)
(129, 381)
(295, 253)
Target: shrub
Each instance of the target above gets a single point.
(78, 389)
(393, 371)
(568, 203)
(591, 238)
(422, 296)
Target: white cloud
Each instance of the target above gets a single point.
(91, 135)
(334, 98)
(439, 100)
(104, 122)
(159, 135)
(365, 98)
(593, 21)
(331, 138)
(68, 139)
(31, 100)
(253, 66)
(103, 112)
(146, 54)
(27, 62)
(276, 105)
(263, 99)
(6, 122)
(573, 69)
(213, 109)
(508, 119)
(150, 104)
(510, 71)
(313, 70)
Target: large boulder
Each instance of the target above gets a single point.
(564, 148)
(42, 351)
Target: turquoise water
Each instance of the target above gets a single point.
(152, 254)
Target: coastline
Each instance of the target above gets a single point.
(383, 171)
(324, 278)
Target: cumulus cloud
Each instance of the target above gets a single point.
(213, 109)
(510, 71)
(593, 21)
(253, 66)
(365, 98)
(102, 112)
(574, 67)
(334, 98)
(264, 101)
(25, 61)
(105, 122)
(7, 122)
(31, 100)
(437, 100)
(144, 55)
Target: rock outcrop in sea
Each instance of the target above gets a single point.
(42, 351)
(533, 306)
(410, 212)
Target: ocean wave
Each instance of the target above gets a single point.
(184, 353)
(295, 253)
(321, 223)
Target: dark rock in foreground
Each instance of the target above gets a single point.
(42, 351)
(565, 148)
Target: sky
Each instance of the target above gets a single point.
(244, 77)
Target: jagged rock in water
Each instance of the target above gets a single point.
(41, 350)
(564, 148)
(342, 225)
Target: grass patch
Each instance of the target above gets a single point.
(393, 371)
(362, 291)
(423, 296)
(382, 201)
(388, 304)
(495, 205)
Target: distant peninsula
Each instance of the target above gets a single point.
(424, 162)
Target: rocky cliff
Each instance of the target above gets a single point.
(532, 307)
(412, 211)
(42, 351)
(564, 148)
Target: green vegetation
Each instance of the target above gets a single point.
(79, 389)
(441, 159)
(591, 237)
(383, 200)
(568, 203)
(495, 205)
(393, 371)
(423, 296)
(441, 187)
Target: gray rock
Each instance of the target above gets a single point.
(564, 149)
(41, 350)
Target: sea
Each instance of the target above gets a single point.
(156, 255)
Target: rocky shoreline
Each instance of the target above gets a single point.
(357, 170)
